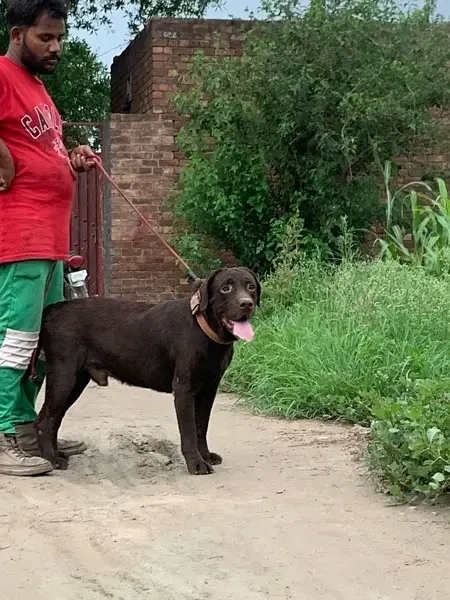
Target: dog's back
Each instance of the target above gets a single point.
(134, 342)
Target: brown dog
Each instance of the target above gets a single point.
(181, 346)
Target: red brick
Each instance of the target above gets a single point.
(159, 86)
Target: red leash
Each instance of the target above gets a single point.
(191, 273)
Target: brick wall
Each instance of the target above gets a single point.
(131, 73)
(144, 159)
(432, 162)
(142, 163)
(155, 60)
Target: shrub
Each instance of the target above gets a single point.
(425, 216)
(294, 126)
(410, 447)
(202, 257)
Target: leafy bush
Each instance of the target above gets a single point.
(410, 447)
(428, 226)
(296, 123)
(203, 259)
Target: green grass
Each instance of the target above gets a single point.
(351, 343)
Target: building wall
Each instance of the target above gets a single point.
(142, 164)
(144, 158)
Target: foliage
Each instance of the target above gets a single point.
(81, 90)
(353, 332)
(295, 125)
(410, 447)
(363, 342)
(302, 261)
(90, 14)
(81, 84)
(429, 225)
(201, 257)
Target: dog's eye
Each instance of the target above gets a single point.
(252, 287)
(226, 288)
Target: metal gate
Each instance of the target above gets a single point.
(86, 235)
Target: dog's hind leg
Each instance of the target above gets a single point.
(82, 380)
(204, 401)
(62, 390)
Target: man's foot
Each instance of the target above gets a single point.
(27, 440)
(14, 461)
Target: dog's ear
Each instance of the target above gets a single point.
(258, 285)
(205, 290)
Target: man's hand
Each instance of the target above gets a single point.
(82, 159)
(7, 169)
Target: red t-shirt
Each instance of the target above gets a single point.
(35, 212)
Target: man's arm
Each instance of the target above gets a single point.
(7, 170)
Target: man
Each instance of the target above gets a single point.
(37, 185)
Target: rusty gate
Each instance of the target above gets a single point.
(86, 234)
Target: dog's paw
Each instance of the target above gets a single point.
(213, 459)
(199, 467)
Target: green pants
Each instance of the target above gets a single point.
(26, 288)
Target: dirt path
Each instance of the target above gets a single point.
(288, 515)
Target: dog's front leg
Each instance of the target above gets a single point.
(203, 405)
(185, 409)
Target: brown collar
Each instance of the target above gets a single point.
(203, 323)
(209, 331)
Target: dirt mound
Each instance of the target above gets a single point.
(127, 457)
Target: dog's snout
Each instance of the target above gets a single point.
(246, 303)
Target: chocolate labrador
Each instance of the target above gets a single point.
(181, 346)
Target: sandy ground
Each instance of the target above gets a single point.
(290, 514)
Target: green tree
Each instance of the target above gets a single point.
(89, 14)
(82, 91)
(299, 124)
(86, 13)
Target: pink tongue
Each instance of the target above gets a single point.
(243, 330)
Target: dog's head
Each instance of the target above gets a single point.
(229, 298)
